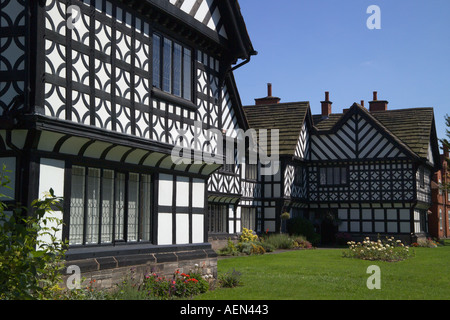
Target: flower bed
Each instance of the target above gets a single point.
(426, 243)
(250, 244)
(180, 286)
(387, 250)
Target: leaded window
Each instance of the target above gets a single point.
(333, 176)
(251, 171)
(172, 67)
(108, 207)
(217, 217)
(248, 216)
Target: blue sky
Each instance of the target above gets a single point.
(307, 47)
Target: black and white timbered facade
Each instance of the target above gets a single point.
(362, 172)
(94, 97)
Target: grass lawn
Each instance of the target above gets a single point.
(325, 274)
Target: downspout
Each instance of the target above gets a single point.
(10, 114)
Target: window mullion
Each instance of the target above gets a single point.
(85, 204)
(100, 208)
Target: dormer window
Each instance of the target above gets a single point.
(172, 67)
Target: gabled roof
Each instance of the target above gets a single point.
(413, 128)
(288, 118)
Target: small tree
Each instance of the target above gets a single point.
(29, 267)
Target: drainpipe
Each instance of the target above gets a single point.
(10, 114)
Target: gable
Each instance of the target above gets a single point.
(354, 137)
(205, 11)
(373, 143)
(302, 149)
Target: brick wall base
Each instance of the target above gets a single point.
(108, 272)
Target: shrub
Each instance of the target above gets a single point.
(388, 250)
(427, 243)
(248, 236)
(257, 249)
(250, 248)
(304, 227)
(229, 250)
(30, 268)
(279, 241)
(230, 279)
(301, 243)
(268, 247)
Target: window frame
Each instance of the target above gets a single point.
(298, 176)
(422, 177)
(251, 172)
(144, 234)
(252, 212)
(186, 94)
(215, 218)
(330, 175)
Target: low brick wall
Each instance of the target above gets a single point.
(110, 271)
(221, 241)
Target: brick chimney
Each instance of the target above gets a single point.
(377, 105)
(326, 105)
(269, 99)
(446, 153)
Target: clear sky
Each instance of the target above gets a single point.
(307, 47)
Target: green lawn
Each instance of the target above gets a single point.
(325, 274)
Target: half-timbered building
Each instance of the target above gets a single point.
(365, 171)
(94, 97)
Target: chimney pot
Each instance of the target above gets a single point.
(326, 105)
(377, 105)
(269, 99)
(362, 103)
